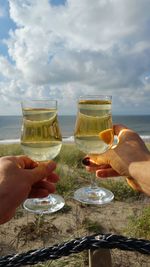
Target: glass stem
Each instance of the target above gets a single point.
(93, 182)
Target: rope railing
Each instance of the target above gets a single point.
(107, 241)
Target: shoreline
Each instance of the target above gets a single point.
(69, 139)
(65, 139)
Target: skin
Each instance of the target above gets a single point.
(22, 178)
(129, 158)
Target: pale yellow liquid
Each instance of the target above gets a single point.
(94, 116)
(40, 136)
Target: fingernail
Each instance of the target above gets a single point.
(86, 161)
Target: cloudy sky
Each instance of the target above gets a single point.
(61, 49)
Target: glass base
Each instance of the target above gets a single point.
(97, 196)
(46, 205)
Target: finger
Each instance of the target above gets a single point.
(89, 162)
(124, 133)
(97, 167)
(101, 159)
(22, 161)
(53, 177)
(41, 171)
(118, 128)
(44, 185)
(91, 166)
(38, 193)
(104, 173)
(25, 162)
(49, 166)
(86, 161)
(132, 183)
(41, 192)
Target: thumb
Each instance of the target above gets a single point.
(134, 184)
(43, 170)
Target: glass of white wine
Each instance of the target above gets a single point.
(94, 135)
(41, 140)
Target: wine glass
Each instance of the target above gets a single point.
(94, 135)
(41, 140)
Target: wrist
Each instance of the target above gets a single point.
(140, 168)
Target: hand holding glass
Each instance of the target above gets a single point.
(41, 140)
(94, 121)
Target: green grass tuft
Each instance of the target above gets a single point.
(139, 226)
(10, 149)
(122, 191)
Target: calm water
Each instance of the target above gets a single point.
(10, 126)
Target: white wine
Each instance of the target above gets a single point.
(94, 135)
(40, 135)
(93, 130)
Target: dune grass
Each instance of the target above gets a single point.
(73, 175)
(10, 149)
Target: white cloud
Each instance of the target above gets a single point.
(68, 50)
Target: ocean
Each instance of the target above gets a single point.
(10, 126)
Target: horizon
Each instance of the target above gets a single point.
(113, 114)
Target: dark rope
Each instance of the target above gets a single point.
(107, 241)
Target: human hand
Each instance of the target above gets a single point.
(20, 178)
(122, 158)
